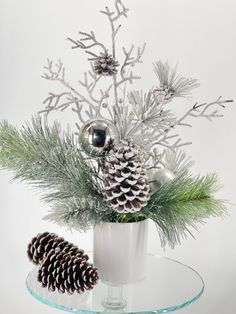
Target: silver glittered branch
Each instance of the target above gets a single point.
(72, 97)
(166, 140)
(126, 75)
(61, 101)
(113, 17)
(208, 111)
(120, 10)
(173, 141)
(129, 62)
(55, 102)
(87, 41)
(56, 72)
(170, 141)
(90, 82)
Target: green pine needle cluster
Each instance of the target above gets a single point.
(51, 161)
(181, 204)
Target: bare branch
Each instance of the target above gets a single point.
(56, 102)
(113, 17)
(56, 72)
(105, 94)
(114, 32)
(117, 30)
(173, 141)
(78, 110)
(165, 141)
(130, 61)
(130, 78)
(120, 9)
(90, 82)
(91, 40)
(155, 159)
(204, 111)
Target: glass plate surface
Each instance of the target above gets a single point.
(169, 286)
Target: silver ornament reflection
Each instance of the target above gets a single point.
(97, 137)
(158, 177)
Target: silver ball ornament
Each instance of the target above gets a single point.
(97, 137)
(158, 177)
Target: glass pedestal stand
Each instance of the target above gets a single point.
(169, 286)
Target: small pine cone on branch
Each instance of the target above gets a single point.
(126, 186)
(43, 243)
(164, 94)
(105, 64)
(65, 273)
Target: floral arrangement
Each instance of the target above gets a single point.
(125, 160)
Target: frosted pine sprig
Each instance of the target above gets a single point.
(171, 84)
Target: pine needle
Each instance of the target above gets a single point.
(50, 160)
(181, 204)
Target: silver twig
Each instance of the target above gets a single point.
(91, 40)
(121, 10)
(130, 61)
(203, 111)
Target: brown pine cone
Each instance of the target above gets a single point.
(66, 273)
(43, 243)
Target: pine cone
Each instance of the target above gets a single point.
(164, 94)
(126, 187)
(105, 65)
(43, 243)
(65, 273)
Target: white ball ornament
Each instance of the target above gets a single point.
(158, 177)
(97, 137)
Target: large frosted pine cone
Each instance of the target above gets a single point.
(43, 243)
(65, 273)
(126, 187)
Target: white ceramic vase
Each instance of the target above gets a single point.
(120, 251)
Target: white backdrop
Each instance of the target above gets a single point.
(201, 36)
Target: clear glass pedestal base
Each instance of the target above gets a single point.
(169, 286)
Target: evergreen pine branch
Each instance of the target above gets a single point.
(50, 160)
(181, 204)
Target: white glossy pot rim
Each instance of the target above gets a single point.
(121, 223)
